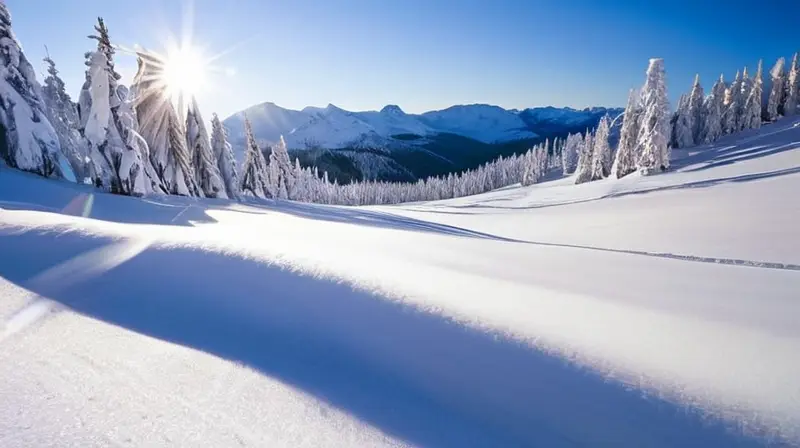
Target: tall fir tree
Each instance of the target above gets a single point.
(281, 172)
(753, 104)
(715, 107)
(627, 149)
(29, 141)
(697, 110)
(223, 154)
(254, 170)
(206, 170)
(682, 128)
(777, 93)
(654, 132)
(110, 127)
(733, 105)
(792, 88)
(569, 155)
(63, 115)
(601, 157)
(742, 116)
(584, 171)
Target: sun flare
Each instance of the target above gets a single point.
(184, 73)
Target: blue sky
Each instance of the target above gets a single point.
(424, 54)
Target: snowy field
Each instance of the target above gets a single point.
(645, 312)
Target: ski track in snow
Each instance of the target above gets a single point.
(177, 322)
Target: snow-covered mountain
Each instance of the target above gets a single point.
(482, 122)
(332, 127)
(406, 146)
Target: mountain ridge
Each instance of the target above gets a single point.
(390, 144)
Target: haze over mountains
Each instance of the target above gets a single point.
(394, 145)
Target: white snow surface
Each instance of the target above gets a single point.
(648, 311)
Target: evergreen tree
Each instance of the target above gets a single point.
(682, 129)
(110, 127)
(584, 170)
(63, 115)
(697, 111)
(254, 170)
(743, 118)
(778, 91)
(569, 155)
(206, 170)
(29, 141)
(223, 154)
(733, 104)
(792, 88)
(280, 169)
(627, 149)
(715, 105)
(654, 132)
(601, 157)
(753, 104)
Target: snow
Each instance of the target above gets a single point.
(482, 122)
(332, 127)
(646, 311)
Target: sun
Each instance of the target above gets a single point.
(185, 72)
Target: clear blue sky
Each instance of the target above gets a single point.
(425, 54)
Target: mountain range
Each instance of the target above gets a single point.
(391, 144)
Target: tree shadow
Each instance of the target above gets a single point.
(414, 375)
(729, 155)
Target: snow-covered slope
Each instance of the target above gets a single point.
(482, 122)
(658, 311)
(269, 121)
(391, 120)
(332, 127)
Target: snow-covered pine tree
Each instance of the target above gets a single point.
(584, 171)
(777, 93)
(206, 171)
(162, 128)
(254, 170)
(733, 105)
(697, 111)
(541, 163)
(28, 140)
(63, 115)
(654, 132)
(682, 129)
(792, 88)
(281, 171)
(569, 155)
(223, 154)
(627, 153)
(601, 157)
(109, 125)
(746, 86)
(715, 107)
(753, 105)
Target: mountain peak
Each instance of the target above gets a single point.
(392, 109)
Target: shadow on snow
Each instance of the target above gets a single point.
(416, 376)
